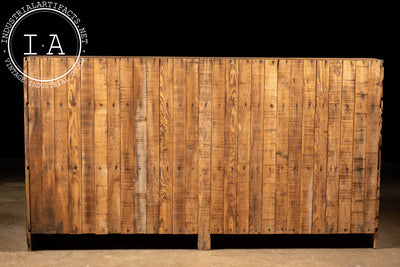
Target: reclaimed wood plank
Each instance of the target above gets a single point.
(74, 151)
(88, 165)
(35, 146)
(139, 179)
(320, 146)
(166, 142)
(191, 145)
(372, 147)
(114, 146)
(307, 161)
(178, 155)
(205, 135)
(217, 146)
(295, 145)
(371, 174)
(256, 145)
(346, 146)
(230, 151)
(48, 174)
(26, 157)
(100, 145)
(373, 126)
(243, 144)
(127, 145)
(380, 89)
(334, 115)
(359, 143)
(282, 146)
(269, 146)
(153, 148)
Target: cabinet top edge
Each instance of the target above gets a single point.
(204, 57)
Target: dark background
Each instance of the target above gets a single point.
(237, 29)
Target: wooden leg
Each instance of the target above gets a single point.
(203, 241)
(29, 241)
(373, 240)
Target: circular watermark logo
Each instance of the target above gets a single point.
(47, 29)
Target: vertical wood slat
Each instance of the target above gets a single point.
(205, 141)
(295, 142)
(346, 146)
(35, 147)
(166, 142)
(127, 145)
(372, 147)
(100, 145)
(256, 145)
(230, 151)
(114, 146)
(74, 151)
(332, 175)
(140, 174)
(153, 149)
(379, 87)
(88, 163)
(243, 144)
(191, 145)
(217, 146)
(270, 137)
(26, 158)
(307, 160)
(282, 146)
(179, 166)
(359, 143)
(48, 174)
(320, 146)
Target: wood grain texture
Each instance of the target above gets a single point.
(48, 160)
(140, 176)
(127, 144)
(74, 151)
(244, 145)
(230, 150)
(113, 145)
(320, 146)
(217, 146)
(374, 127)
(166, 142)
(256, 145)
(88, 165)
(282, 146)
(191, 144)
(332, 175)
(295, 145)
(176, 145)
(307, 154)
(35, 147)
(26, 158)
(346, 146)
(153, 146)
(269, 146)
(205, 140)
(179, 166)
(100, 145)
(359, 146)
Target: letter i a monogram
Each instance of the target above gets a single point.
(52, 45)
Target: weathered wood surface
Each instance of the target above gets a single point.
(204, 146)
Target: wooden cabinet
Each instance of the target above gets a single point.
(168, 145)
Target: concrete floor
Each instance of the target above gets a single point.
(13, 250)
